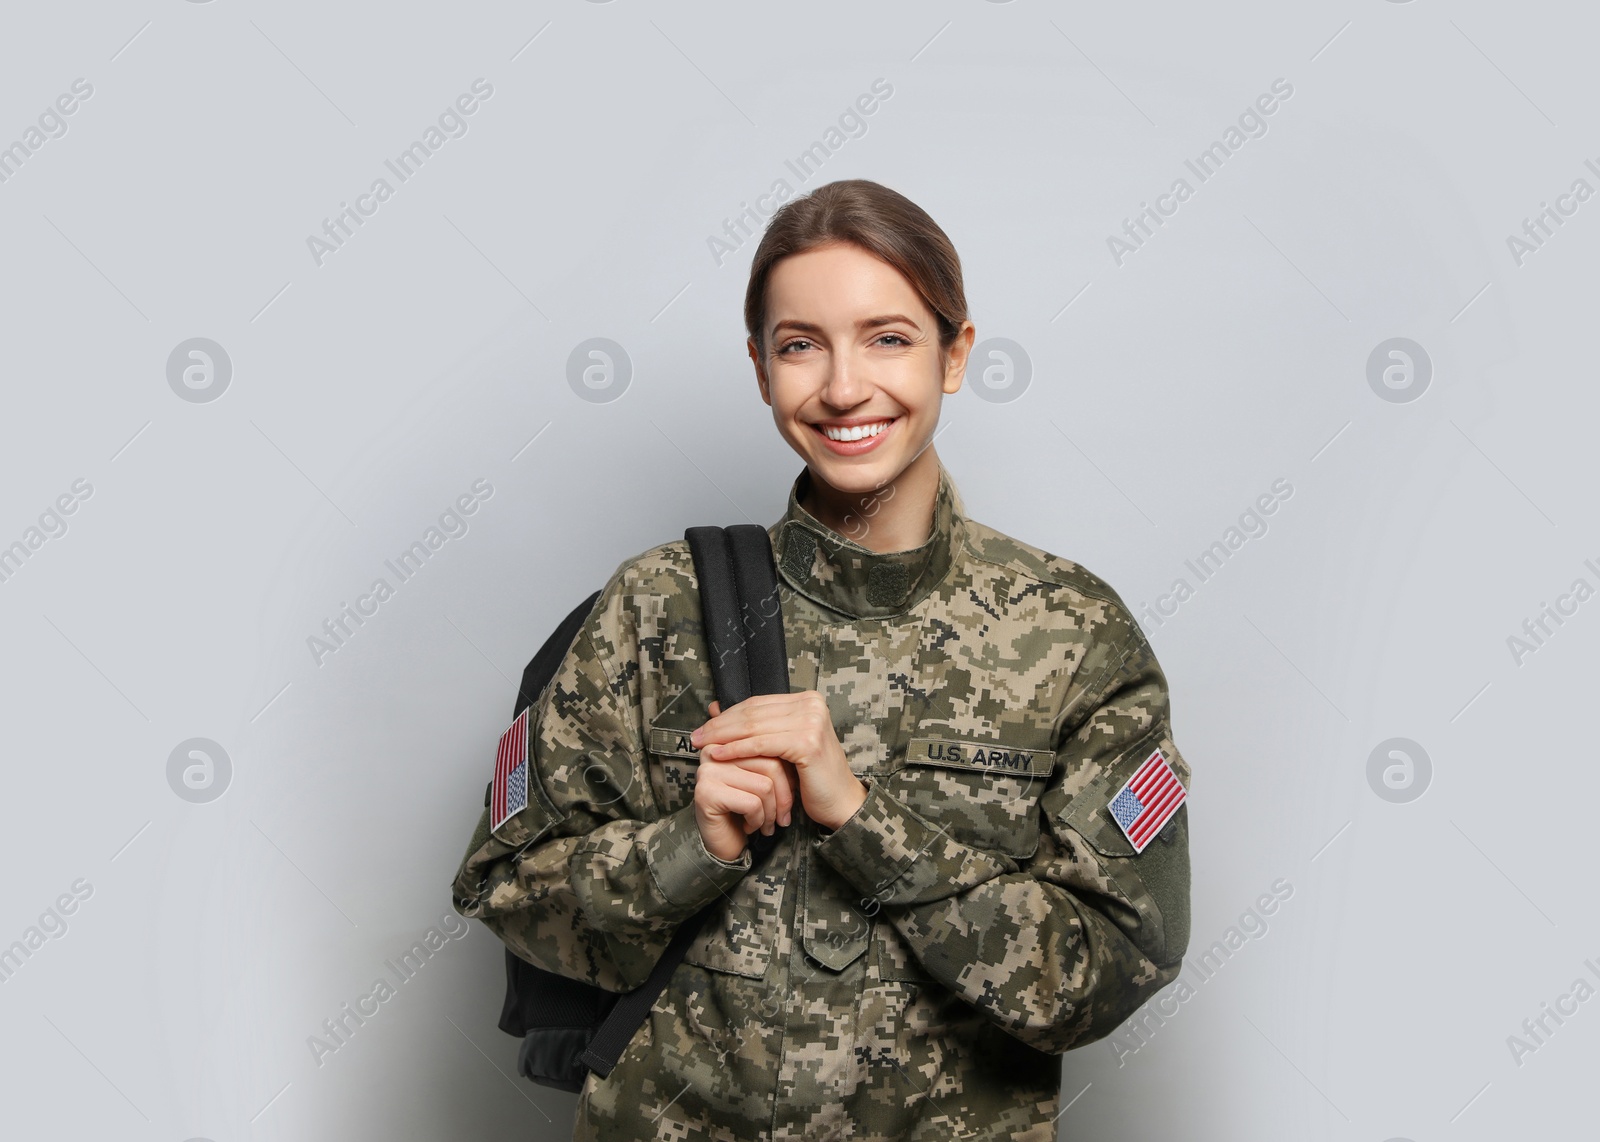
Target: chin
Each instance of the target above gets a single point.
(860, 477)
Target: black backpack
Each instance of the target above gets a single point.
(569, 1027)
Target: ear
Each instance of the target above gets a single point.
(761, 370)
(955, 367)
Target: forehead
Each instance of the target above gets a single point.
(837, 284)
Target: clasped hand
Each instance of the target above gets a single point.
(757, 757)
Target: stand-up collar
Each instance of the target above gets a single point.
(843, 575)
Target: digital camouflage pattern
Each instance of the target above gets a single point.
(916, 973)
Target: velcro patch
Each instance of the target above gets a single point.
(672, 743)
(1147, 801)
(508, 793)
(967, 754)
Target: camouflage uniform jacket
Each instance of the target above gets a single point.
(915, 973)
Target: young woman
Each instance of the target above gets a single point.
(982, 848)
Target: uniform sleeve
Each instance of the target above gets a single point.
(1061, 948)
(591, 879)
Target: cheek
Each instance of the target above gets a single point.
(918, 387)
(786, 409)
(791, 387)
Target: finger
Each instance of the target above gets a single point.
(768, 792)
(724, 725)
(759, 712)
(779, 745)
(761, 787)
(785, 785)
(738, 805)
(805, 721)
(784, 780)
(744, 805)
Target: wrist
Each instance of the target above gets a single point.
(716, 850)
(686, 871)
(849, 809)
(719, 837)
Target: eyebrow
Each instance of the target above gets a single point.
(864, 324)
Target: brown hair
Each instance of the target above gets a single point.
(882, 222)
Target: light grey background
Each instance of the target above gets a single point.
(1167, 393)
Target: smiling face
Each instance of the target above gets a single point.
(853, 370)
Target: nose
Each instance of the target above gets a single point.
(846, 385)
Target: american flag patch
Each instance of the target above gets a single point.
(509, 793)
(1148, 801)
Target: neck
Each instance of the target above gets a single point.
(895, 517)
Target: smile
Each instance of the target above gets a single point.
(857, 432)
(855, 439)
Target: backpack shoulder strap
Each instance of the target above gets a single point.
(743, 623)
(767, 656)
(740, 611)
(743, 620)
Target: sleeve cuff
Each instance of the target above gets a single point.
(889, 852)
(685, 871)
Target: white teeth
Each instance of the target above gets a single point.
(859, 432)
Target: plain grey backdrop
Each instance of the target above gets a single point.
(224, 421)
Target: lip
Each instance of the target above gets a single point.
(855, 447)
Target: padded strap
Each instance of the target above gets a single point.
(750, 549)
(721, 613)
(743, 623)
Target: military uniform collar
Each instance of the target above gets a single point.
(845, 576)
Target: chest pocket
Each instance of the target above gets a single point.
(983, 786)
